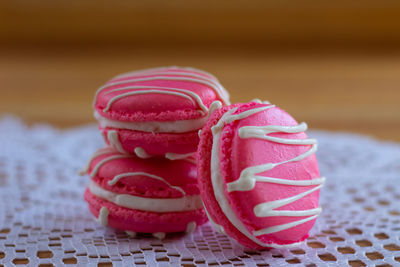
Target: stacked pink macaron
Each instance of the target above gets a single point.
(154, 195)
(175, 145)
(145, 180)
(157, 112)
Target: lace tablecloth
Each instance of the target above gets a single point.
(45, 221)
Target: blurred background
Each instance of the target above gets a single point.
(333, 64)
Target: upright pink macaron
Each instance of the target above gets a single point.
(148, 196)
(258, 174)
(157, 112)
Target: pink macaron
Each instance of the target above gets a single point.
(258, 175)
(157, 112)
(155, 195)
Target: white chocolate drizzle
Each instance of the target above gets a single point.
(180, 92)
(113, 138)
(185, 203)
(190, 227)
(191, 159)
(213, 107)
(209, 81)
(171, 70)
(191, 96)
(257, 100)
(176, 156)
(217, 227)
(159, 235)
(248, 176)
(141, 153)
(103, 216)
(152, 176)
(103, 151)
(96, 168)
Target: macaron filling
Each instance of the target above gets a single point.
(185, 203)
(178, 126)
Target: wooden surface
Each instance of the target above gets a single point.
(357, 93)
(263, 23)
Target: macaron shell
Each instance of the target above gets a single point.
(156, 102)
(155, 144)
(144, 221)
(235, 155)
(155, 106)
(252, 152)
(173, 178)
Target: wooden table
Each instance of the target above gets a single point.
(346, 92)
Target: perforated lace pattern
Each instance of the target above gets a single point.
(45, 221)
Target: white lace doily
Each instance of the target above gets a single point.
(45, 221)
